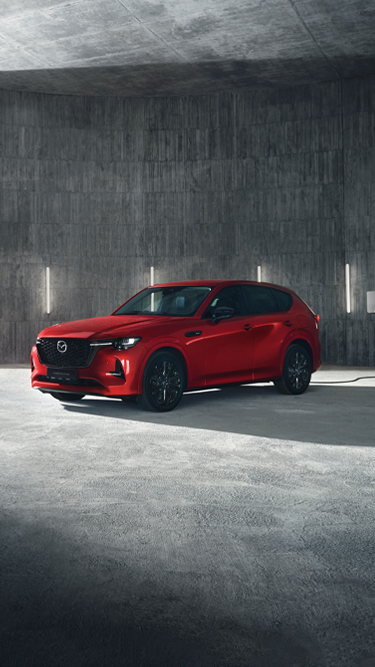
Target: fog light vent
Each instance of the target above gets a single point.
(119, 371)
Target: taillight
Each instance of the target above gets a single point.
(317, 317)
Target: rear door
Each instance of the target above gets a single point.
(271, 323)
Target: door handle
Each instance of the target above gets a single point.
(288, 323)
(192, 334)
(247, 327)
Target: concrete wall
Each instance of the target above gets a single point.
(101, 189)
(359, 214)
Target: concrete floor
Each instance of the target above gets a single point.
(236, 531)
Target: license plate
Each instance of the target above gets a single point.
(62, 376)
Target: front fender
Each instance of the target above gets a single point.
(167, 343)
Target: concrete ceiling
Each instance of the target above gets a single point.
(174, 47)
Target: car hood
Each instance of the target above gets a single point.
(97, 327)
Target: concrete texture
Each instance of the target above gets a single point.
(179, 47)
(235, 531)
(100, 190)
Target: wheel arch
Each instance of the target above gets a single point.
(170, 349)
(303, 343)
(297, 341)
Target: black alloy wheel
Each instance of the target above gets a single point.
(163, 382)
(62, 396)
(296, 372)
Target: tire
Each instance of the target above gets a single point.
(62, 396)
(296, 371)
(163, 382)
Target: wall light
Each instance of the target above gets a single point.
(347, 287)
(152, 280)
(48, 303)
(259, 274)
(370, 302)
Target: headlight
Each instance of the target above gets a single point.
(125, 343)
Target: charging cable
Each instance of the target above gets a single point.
(366, 377)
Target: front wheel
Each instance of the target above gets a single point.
(163, 382)
(62, 396)
(296, 371)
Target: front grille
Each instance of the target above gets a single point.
(76, 354)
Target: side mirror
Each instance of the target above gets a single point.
(222, 313)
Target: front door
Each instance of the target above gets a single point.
(228, 348)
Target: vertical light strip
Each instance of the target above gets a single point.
(259, 274)
(347, 287)
(48, 304)
(152, 280)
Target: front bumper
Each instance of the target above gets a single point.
(112, 373)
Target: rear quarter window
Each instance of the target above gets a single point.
(284, 300)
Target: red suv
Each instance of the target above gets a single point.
(182, 336)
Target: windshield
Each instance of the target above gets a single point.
(172, 300)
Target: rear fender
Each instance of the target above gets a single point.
(296, 337)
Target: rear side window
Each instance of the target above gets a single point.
(284, 299)
(259, 300)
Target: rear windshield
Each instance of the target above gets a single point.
(177, 301)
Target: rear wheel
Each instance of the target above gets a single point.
(62, 396)
(296, 371)
(163, 382)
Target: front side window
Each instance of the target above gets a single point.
(176, 301)
(228, 297)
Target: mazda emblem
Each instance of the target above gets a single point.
(62, 346)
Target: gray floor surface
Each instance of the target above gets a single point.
(237, 530)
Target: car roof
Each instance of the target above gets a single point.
(214, 283)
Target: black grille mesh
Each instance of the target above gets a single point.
(76, 355)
